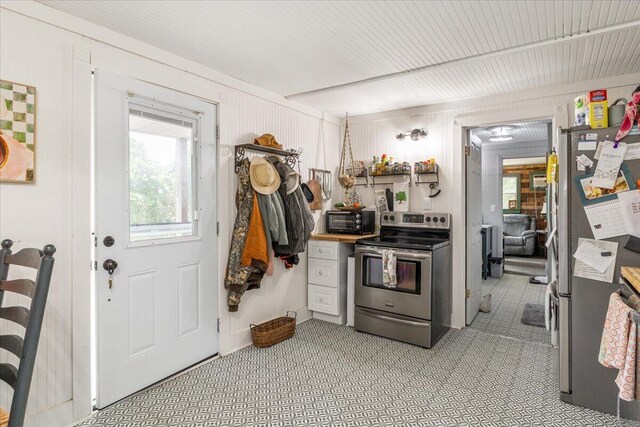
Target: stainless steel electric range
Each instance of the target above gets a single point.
(417, 309)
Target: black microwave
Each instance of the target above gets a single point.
(347, 222)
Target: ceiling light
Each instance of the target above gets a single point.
(501, 133)
(415, 134)
(502, 130)
(500, 138)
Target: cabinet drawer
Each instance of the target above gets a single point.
(322, 272)
(323, 250)
(323, 299)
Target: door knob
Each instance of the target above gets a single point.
(110, 265)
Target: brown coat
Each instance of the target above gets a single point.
(255, 247)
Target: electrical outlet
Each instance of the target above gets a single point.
(427, 204)
(493, 208)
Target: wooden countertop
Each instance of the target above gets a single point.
(344, 238)
(632, 274)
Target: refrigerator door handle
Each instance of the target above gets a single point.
(562, 219)
(564, 337)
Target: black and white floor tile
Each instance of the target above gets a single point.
(509, 295)
(329, 375)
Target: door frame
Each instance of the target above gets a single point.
(83, 246)
(559, 116)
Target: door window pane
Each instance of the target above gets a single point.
(161, 177)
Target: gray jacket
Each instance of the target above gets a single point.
(272, 212)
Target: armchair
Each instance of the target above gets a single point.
(519, 234)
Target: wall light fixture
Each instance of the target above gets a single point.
(415, 134)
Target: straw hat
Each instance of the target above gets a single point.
(264, 177)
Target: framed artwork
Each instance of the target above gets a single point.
(538, 180)
(17, 132)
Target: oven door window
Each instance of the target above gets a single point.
(407, 273)
(341, 222)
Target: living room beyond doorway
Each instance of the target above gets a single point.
(514, 218)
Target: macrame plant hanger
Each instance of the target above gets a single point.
(346, 180)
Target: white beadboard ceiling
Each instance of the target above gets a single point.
(524, 132)
(402, 53)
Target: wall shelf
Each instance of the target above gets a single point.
(365, 175)
(290, 157)
(387, 175)
(432, 178)
(428, 177)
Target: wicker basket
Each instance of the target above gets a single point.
(274, 331)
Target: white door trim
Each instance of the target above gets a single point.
(559, 116)
(82, 239)
(82, 227)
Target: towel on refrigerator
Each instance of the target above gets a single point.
(619, 346)
(389, 277)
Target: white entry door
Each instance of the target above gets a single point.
(155, 215)
(474, 231)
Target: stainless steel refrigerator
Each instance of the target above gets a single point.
(583, 302)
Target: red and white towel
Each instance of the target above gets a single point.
(618, 348)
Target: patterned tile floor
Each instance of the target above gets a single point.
(508, 298)
(526, 266)
(329, 375)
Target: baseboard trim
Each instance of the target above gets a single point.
(61, 415)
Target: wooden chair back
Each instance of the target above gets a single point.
(25, 348)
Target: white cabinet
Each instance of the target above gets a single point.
(323, 272)
(323, 299)
(327, 279)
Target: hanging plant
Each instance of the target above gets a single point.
(346, 176)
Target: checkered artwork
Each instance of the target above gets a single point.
(17, 127)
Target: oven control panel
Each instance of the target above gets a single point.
(416, 219)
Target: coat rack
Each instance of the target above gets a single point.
(291, 157)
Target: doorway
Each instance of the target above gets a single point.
(506, 253)
(155, 234)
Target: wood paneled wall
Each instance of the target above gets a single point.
(530, 200)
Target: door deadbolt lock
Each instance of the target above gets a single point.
(109, 241)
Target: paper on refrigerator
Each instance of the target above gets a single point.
(630, 209)
(633, 151)
(582, 269)
(606, 219)
(591, 255)
(609, 163)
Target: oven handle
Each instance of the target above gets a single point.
(377, 315)
(399, 254)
